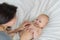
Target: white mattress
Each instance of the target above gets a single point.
(30, 9)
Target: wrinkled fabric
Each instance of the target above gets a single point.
(30, 9)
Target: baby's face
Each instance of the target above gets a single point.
(41, 21)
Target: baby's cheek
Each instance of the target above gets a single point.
(41, 25)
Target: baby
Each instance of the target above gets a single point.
(35, 27)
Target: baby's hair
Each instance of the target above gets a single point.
(45, 15)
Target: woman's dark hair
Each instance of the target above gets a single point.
(7, 12)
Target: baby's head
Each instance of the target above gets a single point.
(7, 14)
(41, 20)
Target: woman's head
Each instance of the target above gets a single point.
(7, 14)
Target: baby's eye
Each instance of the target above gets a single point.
(40, 21)
(36, 19)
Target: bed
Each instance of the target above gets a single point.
(30, 9)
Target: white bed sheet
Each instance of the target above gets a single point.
(30, 9)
